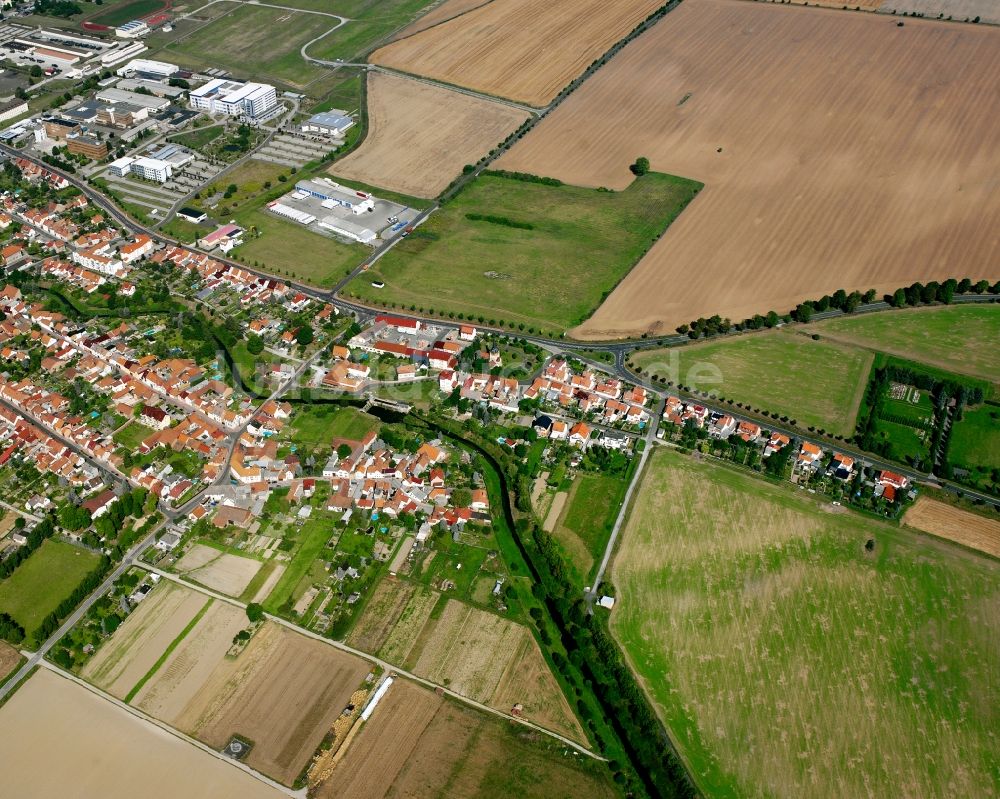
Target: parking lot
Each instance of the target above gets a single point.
(289, 149)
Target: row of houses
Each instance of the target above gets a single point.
(809, 458)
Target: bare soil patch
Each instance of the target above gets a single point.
(519, 49)
(283, 693)
(220, 571)
(59, 739)
(385, 744)
(837, 151)
(193, 661)
(420, 136)
(142, 638)
(955, 524)
(269, 583)
(9, 658)
(555, 511)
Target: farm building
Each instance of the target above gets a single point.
(329, 123)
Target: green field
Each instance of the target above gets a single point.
(287, 248)
(975, 445)
(44, 580)
(371, 21)
(199, 137)
(132, 435)
(958, 338)
(789, 661)
(586, 521)
(318, 425)
(582, 242)
(126, 12)
(310, 538)
(817, 383)
(259, 42)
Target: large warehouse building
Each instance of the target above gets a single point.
(329, 123)
(146, 66)
(221, 96)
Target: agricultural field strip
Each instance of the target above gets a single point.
(167, 728)
(382, 663)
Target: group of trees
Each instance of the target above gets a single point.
(10, 630)
(44, 529)
(57, 8)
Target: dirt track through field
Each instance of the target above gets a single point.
(955, 524)
(420, 136)
(520, 49)
(837, 151)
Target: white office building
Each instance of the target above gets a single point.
(121, 166)
(146, 66)
(152, 169)
(221, 96)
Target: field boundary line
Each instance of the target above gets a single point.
(399, 670)
(168, 651)
(139, 714)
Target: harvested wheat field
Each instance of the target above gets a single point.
(142, 638)
(403, 153)
(59, 739)
(854, 154)
(449, 9)
(519, 49)
(383, 610)
(494, 661)
(417, 744)
(791, 658)
(191, 663)
(955, 524)
(283, 693)
(220, 571)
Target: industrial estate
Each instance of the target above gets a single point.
(486, 398)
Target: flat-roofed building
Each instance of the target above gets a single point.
(222, 96)
(152, 169)
(146, 66)
(87, 144)
(329, 123)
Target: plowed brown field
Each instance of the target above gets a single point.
(283, 693)
(521, 49)
(854, 154)
(405, 153)
(955, 524)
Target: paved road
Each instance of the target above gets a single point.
(623, 511)
(36, 657)
(384, 664)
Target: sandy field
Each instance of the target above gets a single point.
(449, 9)
(193, 661)
(142, 638)
(220, 571)
(9, 658)
(555, 511)
(955, 524)
(283, 693)
(520, 49)
(854, 154)
(268, 585)
(403, 153)
(101, 750)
